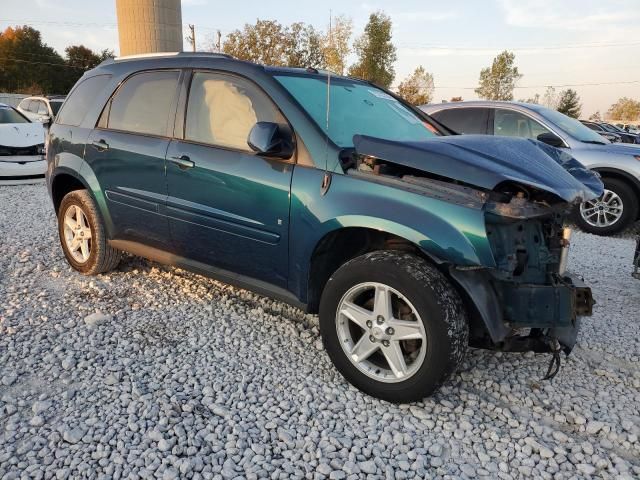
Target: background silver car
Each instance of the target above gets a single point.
(618, 164)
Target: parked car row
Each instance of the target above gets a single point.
(618, 164)
(411, 243)
(611, 132)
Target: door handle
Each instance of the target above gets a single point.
(182, 161)
(100, 145)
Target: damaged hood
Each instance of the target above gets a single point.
(20, 135)
(486, 161)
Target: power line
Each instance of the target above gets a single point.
(12, 59)
(555, 86)
(522, 48)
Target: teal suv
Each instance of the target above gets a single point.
(330, 194)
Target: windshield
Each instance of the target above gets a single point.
(9, 115)
(356, 108)
(571, 126)
(55, 105)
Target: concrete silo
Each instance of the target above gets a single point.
(147, 26)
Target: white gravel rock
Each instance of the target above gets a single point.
(186, 377)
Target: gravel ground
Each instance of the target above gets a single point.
(153, 371)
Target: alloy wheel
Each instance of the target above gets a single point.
(381, 332)
(604, 211)
(77, 234)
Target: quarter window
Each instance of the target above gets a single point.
(222, 110)
(514, 124)
(143, 103)
(81, 99)
(464, 120)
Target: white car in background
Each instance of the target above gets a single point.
(41, 109)
(21, 148)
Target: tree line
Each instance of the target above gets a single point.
(28, 65)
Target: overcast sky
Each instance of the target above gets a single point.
(452, 39)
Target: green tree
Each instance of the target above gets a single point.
(569, 103)
(26, 62)
(376, 53)
(417, 88)
(262, 43)
(625, 110)
(81, 57)
(304, 46)
(498, 81)
(336, 44)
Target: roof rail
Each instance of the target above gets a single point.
(171, 54)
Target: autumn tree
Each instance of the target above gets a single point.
(376, 54)
(569, 103)
(498, 81)
(270, 43)
(625, 110)
(336, 44)
(417, 88)
(596, 117)
(26, 62)
(550, 98)
(535, 99)
(456, 99)
(263, 43)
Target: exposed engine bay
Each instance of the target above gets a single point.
(532, 303)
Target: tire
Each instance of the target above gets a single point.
(629, 213)
(101, 256)
(414, 284)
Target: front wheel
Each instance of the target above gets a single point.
(614, 211)
(393, 325)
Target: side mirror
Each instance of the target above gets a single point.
(551, 139)
(269, 139)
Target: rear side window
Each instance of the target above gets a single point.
(143, 103)
(34, 106)
(515, 124)
(465, 120)
(81, 99)
(222, 110)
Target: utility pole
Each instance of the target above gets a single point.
(192, 38)
(219, 41)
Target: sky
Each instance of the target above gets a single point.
(556, 42)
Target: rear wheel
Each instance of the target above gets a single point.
(614, 211)
(82, 236)
(393, 325)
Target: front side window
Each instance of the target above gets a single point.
(42, 108)
(81, 99)
(355, 108)
(223, 109)
(465, 120)
(514, 124)
(143, 103)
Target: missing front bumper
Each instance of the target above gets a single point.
(543, 312)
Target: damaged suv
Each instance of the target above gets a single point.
(332, 195)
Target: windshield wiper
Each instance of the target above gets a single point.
(594, 142)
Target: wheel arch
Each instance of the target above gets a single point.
(339, 246)
(63, 183)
